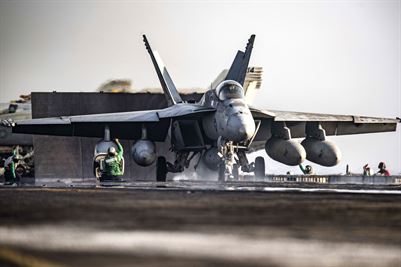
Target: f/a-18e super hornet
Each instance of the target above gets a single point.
(221, 128)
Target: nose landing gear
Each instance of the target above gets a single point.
(226, 153)
(229, 166)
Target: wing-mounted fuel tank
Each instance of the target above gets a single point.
(144, 150)
(103, 145)
(318, 149)
(282, 148)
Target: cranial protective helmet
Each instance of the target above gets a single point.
(112, 151)
(382, 165)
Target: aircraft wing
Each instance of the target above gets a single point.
(124, 125)
(333, 124)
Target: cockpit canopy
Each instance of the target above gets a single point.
(229, 90)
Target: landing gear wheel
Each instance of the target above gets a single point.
(161, 169)
(235, 172)
(20, 171)
(222, 172)
(259, 168)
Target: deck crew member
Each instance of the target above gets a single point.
(308, 170)
(367, 171)
(113, 162)
(382, 169)
(9, 169)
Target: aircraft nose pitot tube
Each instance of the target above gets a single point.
(289, 152)
(322, 152)
(144, 152)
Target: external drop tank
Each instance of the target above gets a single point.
(318, 149)
(322, 152)
(288, 152)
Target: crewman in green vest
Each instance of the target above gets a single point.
(308, 170)
(9, 169)
(113, 163)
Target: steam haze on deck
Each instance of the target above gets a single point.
(318, 56)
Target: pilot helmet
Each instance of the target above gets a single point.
(112, 151)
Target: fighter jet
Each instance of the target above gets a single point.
(221, 128)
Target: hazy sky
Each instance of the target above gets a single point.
(338, 57)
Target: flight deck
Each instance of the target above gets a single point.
(200, 223)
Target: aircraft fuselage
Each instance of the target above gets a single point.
(232, 120)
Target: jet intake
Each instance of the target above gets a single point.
(211, 158)
(322, 152)
(144, 152)
(288, 152)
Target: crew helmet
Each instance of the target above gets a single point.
(382, 165)
(112, 151)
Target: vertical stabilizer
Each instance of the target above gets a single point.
(239, 66)
(170, 91)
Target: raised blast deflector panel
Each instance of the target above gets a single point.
(72, 157)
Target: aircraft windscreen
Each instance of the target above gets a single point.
(229, 90)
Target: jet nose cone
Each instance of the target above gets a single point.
(249, 130)
(246, 132)
(240, 129)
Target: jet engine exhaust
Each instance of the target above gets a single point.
(144, 152)
(322, 152)
(288, 152)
